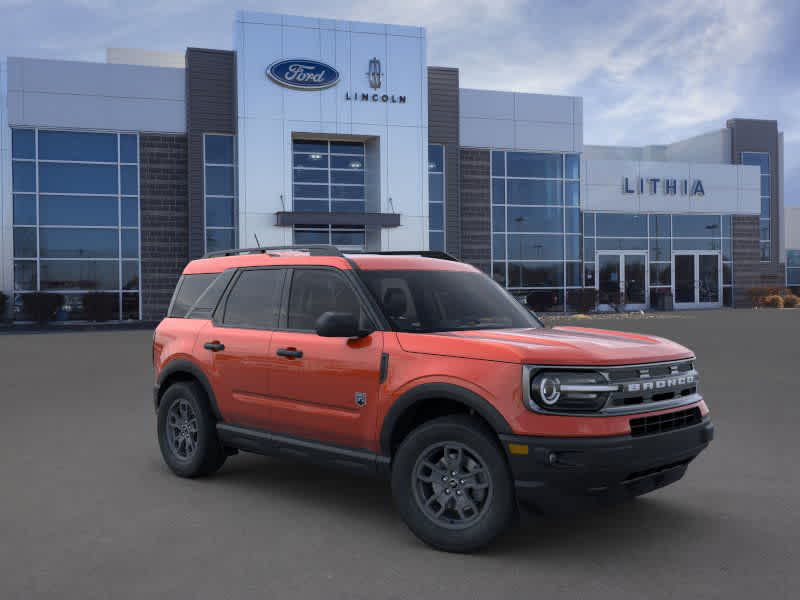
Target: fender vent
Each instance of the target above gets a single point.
(666, 422)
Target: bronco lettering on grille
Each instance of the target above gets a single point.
(659, 384)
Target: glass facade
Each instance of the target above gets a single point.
(660, 235)
(761, 160)
(329, 176)
(793, 268)
(76, 219)
(436, 197)
(219, 166)
(536, 241)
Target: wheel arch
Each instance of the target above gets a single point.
(184, 370)
(429, 401)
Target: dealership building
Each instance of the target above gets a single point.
(113, 175)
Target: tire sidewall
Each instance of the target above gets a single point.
(208, 450)
(474, 435)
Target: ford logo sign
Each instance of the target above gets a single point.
(303, 74)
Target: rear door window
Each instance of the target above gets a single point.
(254, 299)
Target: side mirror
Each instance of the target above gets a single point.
(337, 324)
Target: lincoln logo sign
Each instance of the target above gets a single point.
(302, 74)
(667, 186)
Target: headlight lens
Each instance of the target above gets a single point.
(576, 391)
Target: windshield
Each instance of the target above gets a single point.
(432, 301)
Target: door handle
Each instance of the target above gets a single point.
(290, 353)
(214, 346)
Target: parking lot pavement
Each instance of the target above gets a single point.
(88, 510)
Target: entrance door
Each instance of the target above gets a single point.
(697, 279)
(622, 279)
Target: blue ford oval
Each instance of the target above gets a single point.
(303, 74)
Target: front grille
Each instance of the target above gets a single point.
(647, 378)
(665, 422)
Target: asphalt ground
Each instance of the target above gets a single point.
(88, 510)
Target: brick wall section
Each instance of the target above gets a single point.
(163, 200)
(476, 207)
(746, 254)
(443, 128)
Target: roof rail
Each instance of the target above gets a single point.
(312, 249)
(424, 253)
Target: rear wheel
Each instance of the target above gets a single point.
(451, 484)
(187, 433)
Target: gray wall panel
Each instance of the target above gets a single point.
(476, 207)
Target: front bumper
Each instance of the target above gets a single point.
(558, 473)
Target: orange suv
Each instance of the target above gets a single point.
(420, 369)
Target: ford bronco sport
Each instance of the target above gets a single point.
(421, 369)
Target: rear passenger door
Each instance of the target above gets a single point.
(236, 342)
(321, 388)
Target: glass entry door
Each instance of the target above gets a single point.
(697, 279)
(622, 279)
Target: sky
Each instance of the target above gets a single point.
(649, 72)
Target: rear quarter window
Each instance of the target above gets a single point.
(192, 288)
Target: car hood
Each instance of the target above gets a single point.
(547, 346)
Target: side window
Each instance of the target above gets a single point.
(204, 306)
(188, 291)
(254, 299)
(316, 291)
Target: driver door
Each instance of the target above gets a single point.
(325, 389)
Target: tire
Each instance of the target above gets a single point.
(190, 446)
(455, 514)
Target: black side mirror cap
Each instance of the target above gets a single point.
(338, 324)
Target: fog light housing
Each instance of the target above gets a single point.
(569, 391)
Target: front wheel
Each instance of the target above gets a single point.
(452, 485)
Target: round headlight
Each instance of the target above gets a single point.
(549, 389)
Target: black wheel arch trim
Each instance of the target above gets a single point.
(439, 391)
(190, 368)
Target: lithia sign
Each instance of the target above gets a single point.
(667, 186)
(306, 74)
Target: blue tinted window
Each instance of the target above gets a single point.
(588, 224)
(765, 185)
(436, 216)
(695, 244)
(24, 209)
(436, 188)
(765, 208)
(320, 161)
(498, 218)
(310, 191)
(499, 246)
(759, 159)
(130, 212)
(347, 238)
(660, 249)
(538, 220)
(338, 162)
(310, 146)
(219, 149)
(311, 205)
(529, 164)
(436, 241)
(660, 226)
(23, 176)
(130, 243)
(311, 175)
(696, 225)
(347, 192)
(498, 191)
(128, 149)
(347, 148)
(727, 249)
(78, 243)
(23, 143)
(348, 206)
(588, 249)
(80, 146)
(766, 251)
(624, 225)
(535, 247)
(219, 181)
(726, 225)
(573, 274)
(77, 179)
(621, 243)
(25, 242)
(435, 158)
(311, 237)
(129, 184)
(528, 191)
(219, 239)
(357, 177)
(793, 258)
(498, 164)
(572, 220)
(25, 275)
(79, 275)
(219, 212)
(573, 166)
(130, 275)
(77, 210)
(572, 191)
(543, 274)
